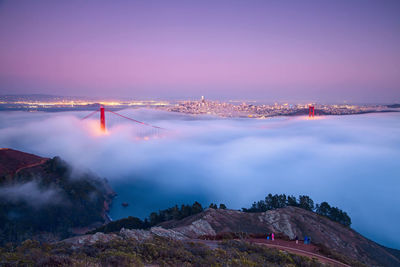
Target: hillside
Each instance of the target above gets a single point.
(329, 238)
(11, 161)
(44, 199)
(290, 222)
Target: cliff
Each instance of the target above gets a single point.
(45, 199)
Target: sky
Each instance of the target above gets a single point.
(326, 51)
(349, 161)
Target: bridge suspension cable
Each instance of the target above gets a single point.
(87, 116)
(125, 117)
(147, 124)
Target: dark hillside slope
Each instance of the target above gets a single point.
(12, 160)
(41, 198)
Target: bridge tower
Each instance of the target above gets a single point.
(102, 119)
(311, 112)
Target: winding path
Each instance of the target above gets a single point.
(31, 165)
(213, 244)
(304, 253)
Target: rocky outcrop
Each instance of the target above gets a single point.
(195, 229)
(86, 240)
(136, 234)
(168, 233)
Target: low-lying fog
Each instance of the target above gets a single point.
(350, 161)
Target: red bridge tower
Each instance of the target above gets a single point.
(311, 111)
(102, 119)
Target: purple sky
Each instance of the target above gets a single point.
(270, 50)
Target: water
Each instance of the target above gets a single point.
(349, 161)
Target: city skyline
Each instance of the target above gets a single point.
(277, 51)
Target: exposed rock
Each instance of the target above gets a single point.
(159, 231)
(196, 229)
(84, 240)
(137, 234)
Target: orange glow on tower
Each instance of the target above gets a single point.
(102, 119)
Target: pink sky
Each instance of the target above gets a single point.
(271, 50)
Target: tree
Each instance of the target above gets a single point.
(269, 202)
(196, 208)
(281, 201)
(261, 207)
(333, 213)
(323, 209)
(222, 206)
(185, 211)
(213, 206)
(345, 219)
(305, 202)
(275, 201)
(292, 201)
(153, 218)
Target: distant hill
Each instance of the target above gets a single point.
(394, 106)
(42, 198)
(36, 97)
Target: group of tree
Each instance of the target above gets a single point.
(333, 213)
(176, 213)
(270, 202)
(276, 201)
(214, 206)
(173, 213)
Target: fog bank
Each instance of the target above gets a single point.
(32, 194)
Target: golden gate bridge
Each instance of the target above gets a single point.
(155, 130)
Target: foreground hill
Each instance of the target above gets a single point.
(290, 222)
(44, 199)
(329, 238)
(157, 251)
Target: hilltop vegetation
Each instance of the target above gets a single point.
(173, 213)
(272, 202)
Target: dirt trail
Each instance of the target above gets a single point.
(30, 165)
(289, 246)
(302, 252)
